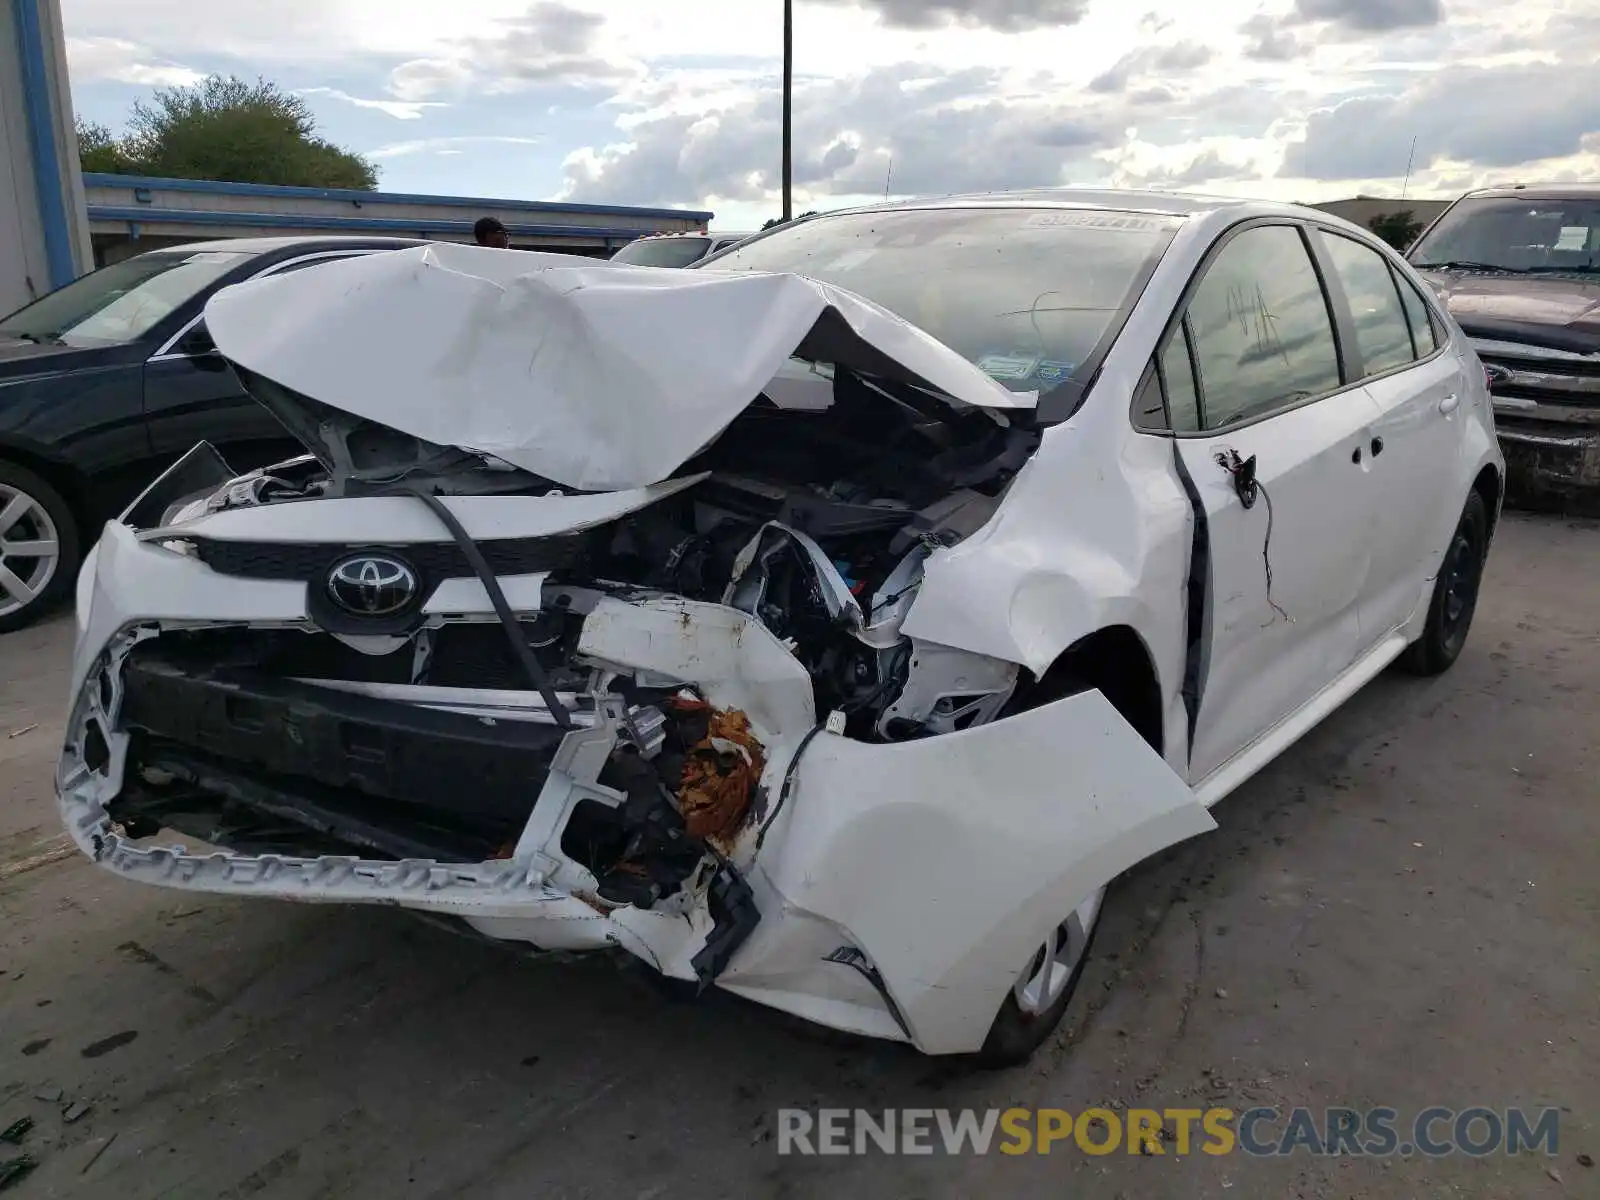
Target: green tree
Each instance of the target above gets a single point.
(98, 150)
(1399, 229)
(779, 220)
(228, 130)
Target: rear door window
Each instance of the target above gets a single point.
(1423, 328)
(1382, 330)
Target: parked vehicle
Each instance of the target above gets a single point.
(1519, 268)
(106, 381)
(675, 249)
(748, 627)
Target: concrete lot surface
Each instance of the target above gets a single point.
(1402, 911)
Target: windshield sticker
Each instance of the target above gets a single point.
(1100, 220)
(1054, 372)
(1007, 366)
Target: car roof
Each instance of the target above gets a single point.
(690, 233)
(267, 245)
(1538, 191)
(1160, 203)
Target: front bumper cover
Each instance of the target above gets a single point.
(940, 863)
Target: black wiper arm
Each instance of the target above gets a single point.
(1461, 264)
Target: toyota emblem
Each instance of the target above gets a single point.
(372, 585)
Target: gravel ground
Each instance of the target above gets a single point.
(1404, 910)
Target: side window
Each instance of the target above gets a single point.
(1263, 336)
(1383, 333)
(1177, 377)
(1417, 313)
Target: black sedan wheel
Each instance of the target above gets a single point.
(38, 546)
(1455, 595)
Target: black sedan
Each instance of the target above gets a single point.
(106, 380)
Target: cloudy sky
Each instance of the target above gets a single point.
(646, 102)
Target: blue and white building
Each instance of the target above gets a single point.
(44, 229)
(128, 215)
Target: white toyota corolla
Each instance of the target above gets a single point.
(830, 623)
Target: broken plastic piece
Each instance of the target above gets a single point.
(735, 916)
(16, 1131)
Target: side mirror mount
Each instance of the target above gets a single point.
(197, 342)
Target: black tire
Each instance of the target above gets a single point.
(1455, 594)
(68, 554)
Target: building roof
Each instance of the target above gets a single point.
(266, 245)
(364, 198)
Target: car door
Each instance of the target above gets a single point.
(191, 393)
(1416, 438)
(1268, 436)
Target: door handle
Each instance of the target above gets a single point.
(1450, 403)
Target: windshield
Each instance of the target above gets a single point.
(663, 252)
(122, 302)
(1025, 294)
(1515, 235)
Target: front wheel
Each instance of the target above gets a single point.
(1455, 594)
(1041, 993)
(38, 546)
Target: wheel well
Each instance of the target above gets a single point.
(65, 480)
(1487, 485)
(1116, 663)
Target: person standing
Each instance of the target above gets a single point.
(489, 232)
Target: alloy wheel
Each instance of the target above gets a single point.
(1051, 970)
(30, 549)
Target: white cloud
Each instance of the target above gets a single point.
(401, 110)
(446, 145)
(91, 58)
(419, 78)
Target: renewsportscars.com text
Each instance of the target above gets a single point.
(1257, 1132)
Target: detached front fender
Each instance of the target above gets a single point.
(947, 860)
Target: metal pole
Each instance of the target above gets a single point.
(788, 89)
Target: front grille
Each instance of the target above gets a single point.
(434, 561)
(1571, 382)
(457, 767)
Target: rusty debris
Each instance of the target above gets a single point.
(720, 774)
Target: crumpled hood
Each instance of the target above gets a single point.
(593, 375)
(1524, 299)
